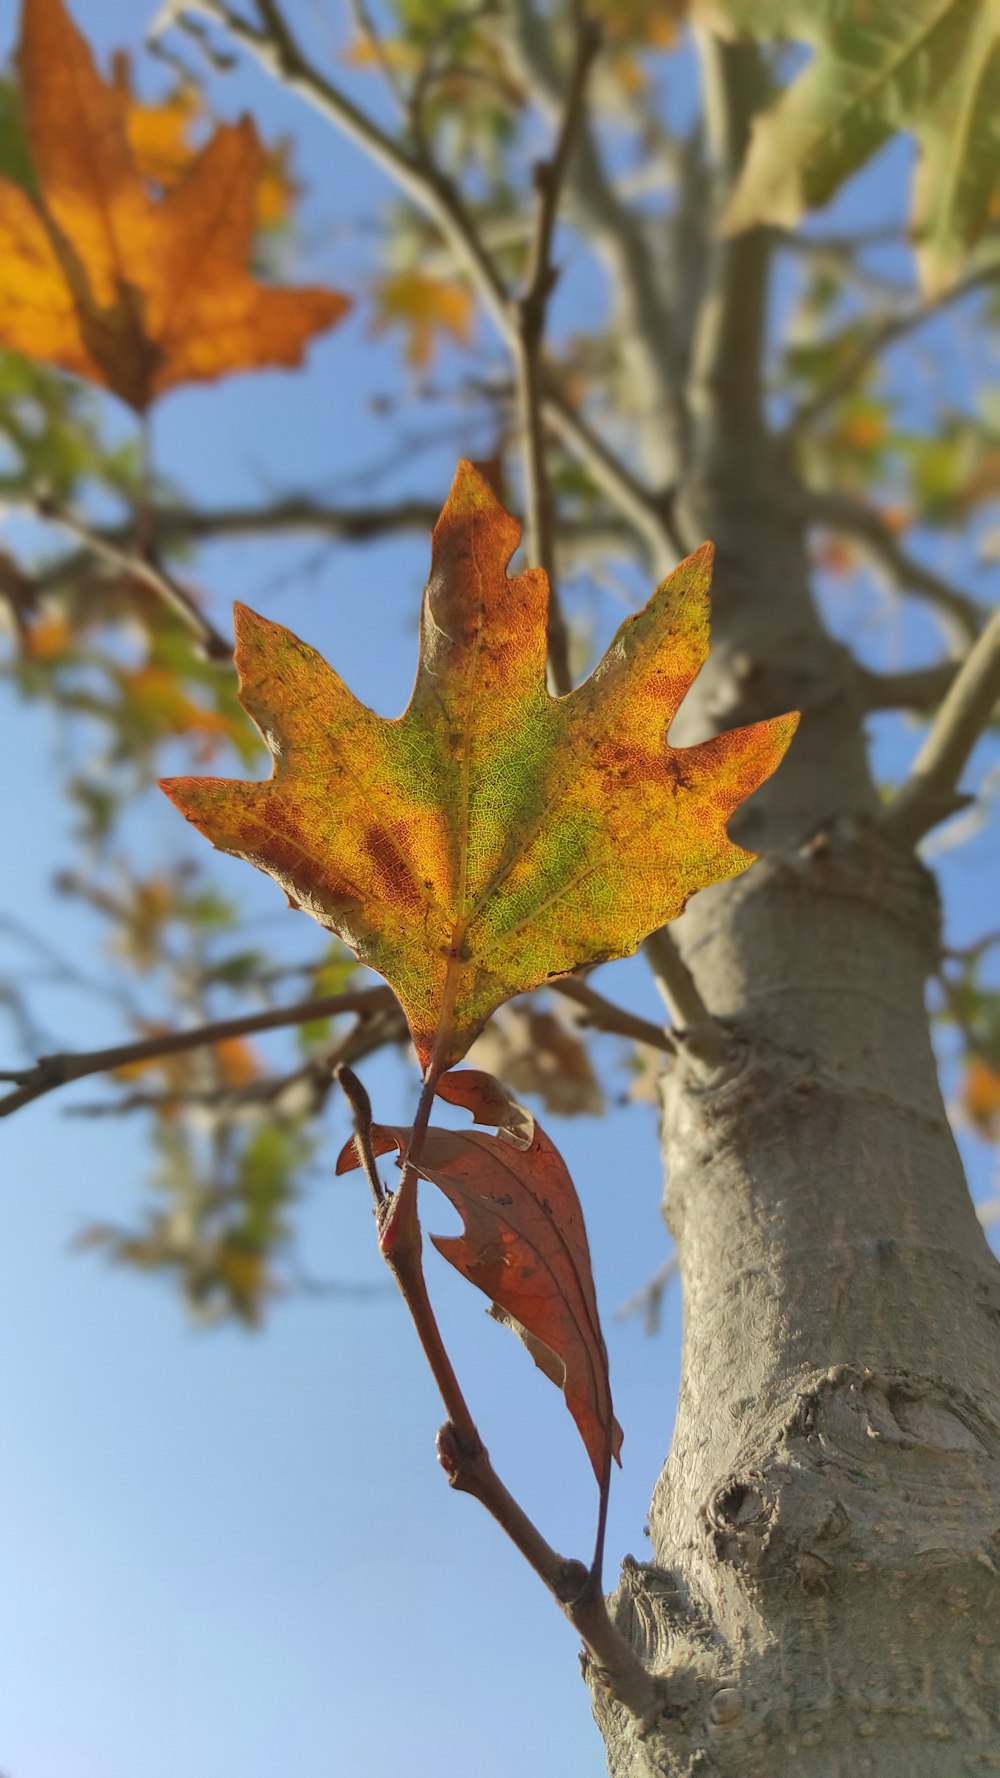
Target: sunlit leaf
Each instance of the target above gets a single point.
(929, 66)
(493, 836)
(100, 278)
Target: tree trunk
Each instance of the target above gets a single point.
(824, 1591)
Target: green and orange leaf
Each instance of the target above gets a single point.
(493, 836)
(132, 292)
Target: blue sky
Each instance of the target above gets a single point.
(235, 1554)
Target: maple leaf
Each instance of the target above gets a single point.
(524, 1243)
(492, 836)
(162, 146)
(424, 308)
(96, 276)
(930, 66)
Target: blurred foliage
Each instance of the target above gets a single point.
(234, 1126)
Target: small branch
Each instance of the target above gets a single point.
(971, 953)
(575, 1588)
(57, 1070)
(604, 1015)
(930, 793)
(701, 1035)
(460, 1448)
(648, 1302)
(921, 688)
(620, 235)
(361, 1110)
(211, 641)
(726, 380)
(532, 312)
(851, 518)
(886, 334)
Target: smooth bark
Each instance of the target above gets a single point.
(823, 1596)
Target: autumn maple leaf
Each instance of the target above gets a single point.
(98, 277)
(493, 836)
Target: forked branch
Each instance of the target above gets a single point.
(930, 793)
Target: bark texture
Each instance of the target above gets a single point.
(823, 1598)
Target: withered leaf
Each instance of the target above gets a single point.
(524, 1243)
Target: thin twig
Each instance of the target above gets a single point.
(648, 1302)
(572, 1585)
(887, 333)
(532, 312)
(211, 641)
(930, 793)
(604, 1015)
(919, 688)
(356, 1095)
(54, 1071)
(852, 518)
(702, 1036)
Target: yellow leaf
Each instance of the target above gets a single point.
(424, 307)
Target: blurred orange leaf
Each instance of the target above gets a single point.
(163, 705)
(163, 146)
(98, 277)
(980, 1094)
(424, 307)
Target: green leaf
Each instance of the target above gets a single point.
(928, 66)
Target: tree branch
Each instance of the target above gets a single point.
(532, 313)
(276, 50)
(887, 333)
(621, 240)
(701, 1035)
(125, 558)
(619, 1669)
(930, 793)
(849, 517)
(57, 1070)
(604, 1015)
(921, 688)
(726, 380)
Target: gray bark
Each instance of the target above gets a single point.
(823, 1597)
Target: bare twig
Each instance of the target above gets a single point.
(310, 1082)
(852, 518)
(648, 1302)
(574, 1587)
(921, 688)
(532, 311)
(887, 333)
(212, 642)
(604, 1015)
(356, 1095)
(701, 1035)
(54, 1071)
(620, 234)
(930, 793)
